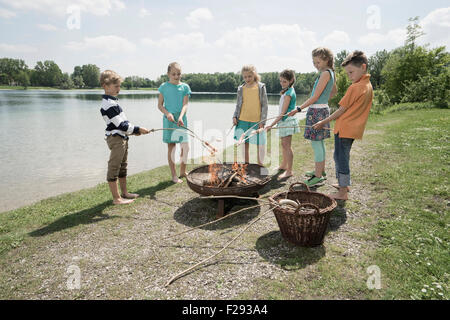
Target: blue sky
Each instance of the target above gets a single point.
(143, 37)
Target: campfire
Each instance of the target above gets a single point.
(224, 177)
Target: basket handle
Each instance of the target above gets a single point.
(307, 205)
(291, 188)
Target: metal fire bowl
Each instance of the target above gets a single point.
(255, 172)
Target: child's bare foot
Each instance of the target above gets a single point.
(337, 187)
(122, 201)
(285, 175)
(130, 195)
(281, 168)
(177, 180)
(338, 196)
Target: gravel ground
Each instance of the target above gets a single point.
(124, 255)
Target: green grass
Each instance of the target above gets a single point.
(397, 220)
(413, 177)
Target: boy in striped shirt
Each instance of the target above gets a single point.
(117, 131)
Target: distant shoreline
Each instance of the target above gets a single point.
(73, 89)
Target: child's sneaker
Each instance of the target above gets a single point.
(313, 173)
(314, 181)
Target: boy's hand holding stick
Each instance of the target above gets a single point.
(143, 131)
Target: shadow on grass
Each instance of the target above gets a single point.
(273, 248)
(87, 216)
(199, 211)
(338, 216)
(151, 191)
(273, 184)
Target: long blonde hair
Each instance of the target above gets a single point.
(251, 68)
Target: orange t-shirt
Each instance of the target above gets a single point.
(358, 101)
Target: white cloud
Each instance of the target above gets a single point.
(336, 39)
(195, 17)
(392, 38)
(144, 13)
(16, 48)
(179, 41)
(6, 14)
(436, 26)
(103, 45)
(270, 47)
(59, 7)
(167, 25)
(275, 36)
(47, 27)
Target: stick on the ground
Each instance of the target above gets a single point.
(217, 253)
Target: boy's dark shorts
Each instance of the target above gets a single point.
(117, 164)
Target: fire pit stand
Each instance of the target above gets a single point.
(257, 177)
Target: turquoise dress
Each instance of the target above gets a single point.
(173, 102)
(286, 123)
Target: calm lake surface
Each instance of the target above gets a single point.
(53, 141)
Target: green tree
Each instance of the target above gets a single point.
(66, 82)
(77, 77)
(46, 73)
(376, 65)
(78, 81)
(340, 57)
(413, 32)
(12, 68)
(342, 84)
(23, 79)
(91, 75)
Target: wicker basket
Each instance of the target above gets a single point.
(305, 226)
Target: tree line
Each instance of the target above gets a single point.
(410, 73)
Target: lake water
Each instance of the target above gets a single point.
(53, 141)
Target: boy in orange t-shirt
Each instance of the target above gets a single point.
(351, 118)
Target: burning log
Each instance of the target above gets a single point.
(223, 177)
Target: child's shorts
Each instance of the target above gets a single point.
(243, 126)
(287, 127)
(117, 164)
(174, 136)
(315, 114)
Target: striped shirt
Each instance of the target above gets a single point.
(115, 118)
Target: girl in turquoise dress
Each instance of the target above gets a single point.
(288, 125)
(173, 102)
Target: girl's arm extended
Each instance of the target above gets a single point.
(287, 101)
(161, 108)
(319, 125)
(183, 111)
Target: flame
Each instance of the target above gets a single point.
(241, 169)
(213, 171)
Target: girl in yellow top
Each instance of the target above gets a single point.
(251, 108)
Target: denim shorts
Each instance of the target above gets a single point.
(342, 147)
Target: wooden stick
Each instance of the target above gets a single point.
(211, 222)
(229, 130)
(217, 253)
(234, 197)
(230, 179)
(299, 126)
